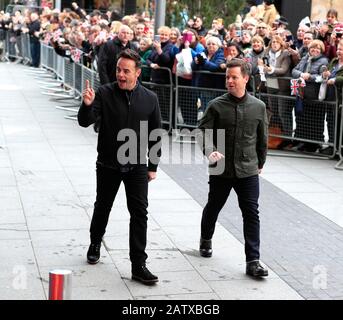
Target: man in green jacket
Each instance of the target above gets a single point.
(234, 132)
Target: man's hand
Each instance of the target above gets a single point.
(215, 156)
(151, 175)
(88, 94)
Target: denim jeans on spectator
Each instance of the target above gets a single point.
(35, 53)
(247, 190)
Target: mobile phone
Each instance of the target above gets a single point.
(187, 37)
(265, 61)
(238, 32)
(289, 38)
(157, 38)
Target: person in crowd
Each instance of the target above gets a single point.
(233, 50)
(270, 12)
(145, 48)
(334, 76)
(212, 59)
(276, 64)
(161, 56)
(108, 55)
(175, 34)
(245, 42)
(297, 54)
(262, 30)
(299, 40)
(252, 57)
(114, 103)
(238, 163)
(332, 18)
(199, 27)
(34, 32)
(310, 125)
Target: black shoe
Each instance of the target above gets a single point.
(285, 145)
(311, 147)
(254, 269)
(93, 254)
(205, 248)
(328, 151)
(141, 273)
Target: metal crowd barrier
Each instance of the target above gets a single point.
(339, 165)
(16, 47)
(164, 93)
(317, 124)
(182, 105)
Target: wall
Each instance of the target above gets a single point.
(320, 8)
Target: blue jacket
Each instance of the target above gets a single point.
(212, 65)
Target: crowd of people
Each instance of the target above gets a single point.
(260, 36)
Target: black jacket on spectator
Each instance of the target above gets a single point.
(33, 27)
(166, 60)
(212, 65)
(107, 59)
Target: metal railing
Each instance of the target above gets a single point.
(181, 104)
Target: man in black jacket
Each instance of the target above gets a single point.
(130, 126)
(235, 128)
(34, 28)
(108, 53)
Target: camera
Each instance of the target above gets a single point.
(201, 58)
(338, 35)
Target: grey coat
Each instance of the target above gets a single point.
(313, 66)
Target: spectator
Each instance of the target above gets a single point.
(198, 26)
(253, 55)
(262, 30)
(161, 56)
(276, 65)
(310, 125)
(174, 35)
(108, 55)
(270, 12)
(211, 60)
(334, 74)
(144, 51)
(34, 29)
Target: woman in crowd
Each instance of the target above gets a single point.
(161, 56)
(144, 52)
(310, 125)
(253, 55)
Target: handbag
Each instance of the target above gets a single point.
(322, 90)
(183, 66)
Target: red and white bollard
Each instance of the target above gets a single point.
(60, 284)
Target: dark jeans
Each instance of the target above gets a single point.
(35, 53)
(136, 189)
(247, 190)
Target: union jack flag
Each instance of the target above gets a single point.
(296, 84)
(57, 34)
(75, 54)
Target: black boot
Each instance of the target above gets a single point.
(255, 269)
(141, 273)
(205, 248)
(93, 254)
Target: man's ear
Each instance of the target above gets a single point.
(138, 72)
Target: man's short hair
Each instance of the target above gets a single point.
(242, 64)
(132, 55)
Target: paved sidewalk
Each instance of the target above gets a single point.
(47, 190)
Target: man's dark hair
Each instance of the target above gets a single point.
(245, 67)
(132, 55)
